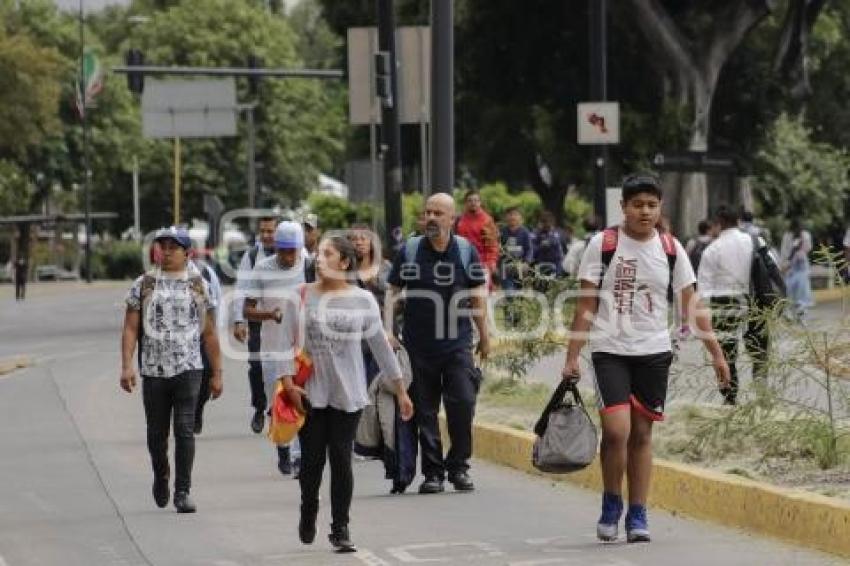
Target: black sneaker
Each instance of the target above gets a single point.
(340, 539)
(462, 482)
(284, 464)
(258, 421)
(161, 491)
(431, 485)
(307, 527)
(296, 468)
(183, 503)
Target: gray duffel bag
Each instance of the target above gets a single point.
(566, 437)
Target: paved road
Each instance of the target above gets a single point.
(75, 480)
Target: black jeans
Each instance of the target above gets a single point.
(454, 379)
(328, 434)
(162, 397)
(20, 289)
(255, 368)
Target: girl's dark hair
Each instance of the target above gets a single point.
(346, 251)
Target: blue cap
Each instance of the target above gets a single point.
(179, 235)
(289, 236)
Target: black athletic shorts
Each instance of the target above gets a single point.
(639, 382)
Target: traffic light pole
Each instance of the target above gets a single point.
(84, 117)
(442, 97)
(598, 93)
(390, 128)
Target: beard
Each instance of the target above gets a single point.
(432, 230)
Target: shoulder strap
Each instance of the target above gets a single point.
(411, 248)
(252, 255)
(465, 249)
(668, 243)
(206, 274)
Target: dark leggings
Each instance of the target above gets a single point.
(162, 397)
(328, 433)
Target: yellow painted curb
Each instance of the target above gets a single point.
(8, 365)
(792, 516)
(830, 295)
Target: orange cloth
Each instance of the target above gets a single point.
(481, 231)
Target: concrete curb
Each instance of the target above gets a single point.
(8, 365)
(831, 295)
(791, 516)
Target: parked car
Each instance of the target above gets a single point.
(54, 273)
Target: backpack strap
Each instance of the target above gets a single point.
(252, 255)
(668, 243)
(465, 248)
(411, 248)
(610, 239)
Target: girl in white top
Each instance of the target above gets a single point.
(330, 322)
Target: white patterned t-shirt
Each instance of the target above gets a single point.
(173, 320)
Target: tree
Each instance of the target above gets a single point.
(796, 175)
(29, 90)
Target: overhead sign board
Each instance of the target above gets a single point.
(189, 108)
(598, 123)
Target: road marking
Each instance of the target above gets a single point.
(368, 557)
(406, 553)
(542, 561)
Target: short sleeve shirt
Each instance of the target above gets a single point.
(633, 310)
(436, 307)
(173, 318)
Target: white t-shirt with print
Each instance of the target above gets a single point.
(632, 319)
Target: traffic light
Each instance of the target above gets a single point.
(383, 78)
(135, 80)
(254, 62)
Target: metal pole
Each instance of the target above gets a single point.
(598, 15)
(86, 172)
(390, 128)
(137, 224)
(252, 159)
(442, 96)
(176, 181)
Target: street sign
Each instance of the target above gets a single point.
(189, 108)
(598, 123)
(695, 161)
(414, 71)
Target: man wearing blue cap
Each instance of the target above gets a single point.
(170, 313)
(274, 279)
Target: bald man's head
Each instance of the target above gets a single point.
(439, 215)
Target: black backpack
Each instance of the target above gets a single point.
(767, 286)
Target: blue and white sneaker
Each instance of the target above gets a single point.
(612, 509)
(637, 527)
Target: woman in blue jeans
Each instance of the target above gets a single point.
(329, 319)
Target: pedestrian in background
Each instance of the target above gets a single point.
(477, 226)
(794, 261)
(548, 247)
(517, 250)
(169, 313)
(272, 278)
(243, 329)
(696, 246)
(591, 227)
(21, 274)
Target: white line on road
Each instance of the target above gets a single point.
(369, 558)
(406, 553)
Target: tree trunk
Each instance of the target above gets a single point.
(697, 72)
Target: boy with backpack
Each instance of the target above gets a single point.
(626, 273)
